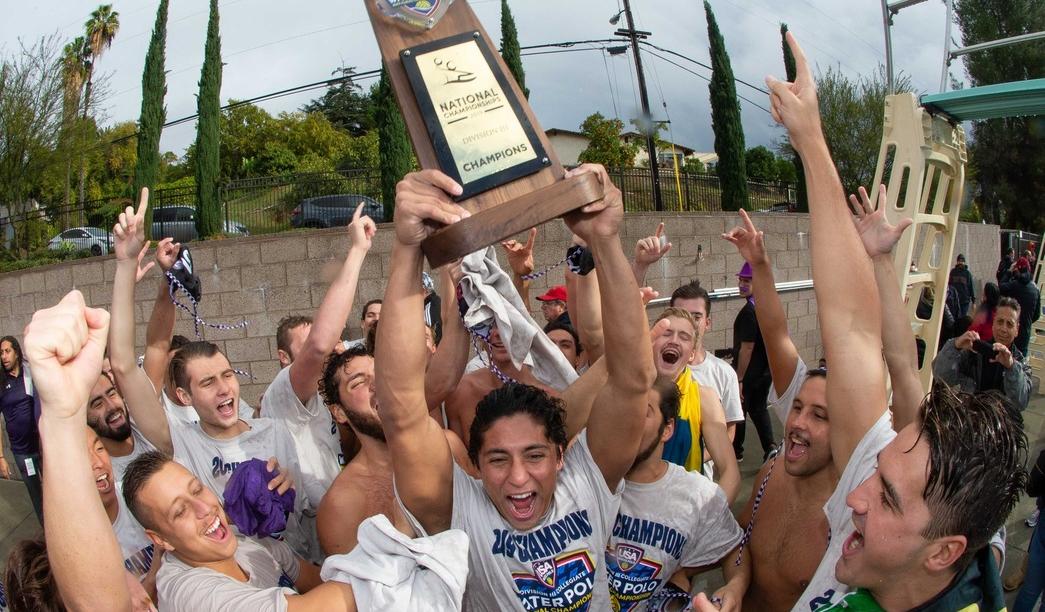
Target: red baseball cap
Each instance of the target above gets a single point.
(1022, 264)
(555, 294)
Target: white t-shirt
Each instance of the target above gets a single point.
(824, 588)
(188, 414)
(554, 567)
(137, 548)
(781, 404)
(141, 446)
(271, 568)
(721, 377)
(314, 432)
(681, 520)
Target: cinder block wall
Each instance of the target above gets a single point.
(265, 278)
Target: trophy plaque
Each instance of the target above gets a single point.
(468, 118)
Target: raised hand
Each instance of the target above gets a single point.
(878, 236)
(362, 230)
(64, 345)
(423, 205)
(649, 250)
(167, 253)
(750, 242)
(794, 105)
(601, 218)
(647, 294)
(520, 255)
(129, 233)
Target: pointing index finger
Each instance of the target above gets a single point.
(143, 203)
(801, 63)
(748, 224)
(359, 211)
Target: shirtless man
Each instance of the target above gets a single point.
(364, 487)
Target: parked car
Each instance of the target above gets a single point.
(782, 207)
(179, 222)
(93, 239)
(334, 210)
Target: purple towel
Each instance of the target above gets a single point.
(251, 506)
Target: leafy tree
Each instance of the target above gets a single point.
(101, 29)
(605, 145)
(510, 50)
(785, 171)
(153, 113)
(798, 172)
(1007, 155)
(725, 120)
(760, 164)
(345, 104)
(694, 165)
(396, 156)
(208, 162)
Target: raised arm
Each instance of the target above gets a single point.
(846, 294)
(451, 356)
(716, 439)
(138, 393)
(901, 352)
(333, 311)
(64, 346)
(648, 251)
(614, 430)
(520, 260)
(421, 460)
(585, 313)
(772, 319)
(161, 323)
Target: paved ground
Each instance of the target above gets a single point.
(17, 520)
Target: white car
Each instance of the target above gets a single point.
(93, 239)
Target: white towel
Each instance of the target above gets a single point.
(391, 571)
(491, 296)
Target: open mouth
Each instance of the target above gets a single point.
(852, 544)
(522, 505)
(670, 355)
(103, 483)
(115, 419)
(227, 409)
(216, 531)
(797, 447)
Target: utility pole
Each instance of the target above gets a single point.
(646, 122)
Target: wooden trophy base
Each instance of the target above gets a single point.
(492, 225)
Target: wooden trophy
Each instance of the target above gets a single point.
(468, 118)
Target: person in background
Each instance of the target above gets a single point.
(752, 366)
(553, 305)
(983, 318)
(1034, 580)
(1021, 287)
(16, 404)
(961, 280)
(1005, 265)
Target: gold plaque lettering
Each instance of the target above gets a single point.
(479, 124)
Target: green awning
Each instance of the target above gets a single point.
(1016, 99)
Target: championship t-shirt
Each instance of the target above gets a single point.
(681, 520)
(137, 548)
(558, 565)
(720, 376)
(141, 446)
(314, 432)
(824, 589)
(271, 570)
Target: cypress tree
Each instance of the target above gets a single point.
(395, 154)
(789, 68)
(208, 104)
(153, 114)
(725, 121)
(510, 50)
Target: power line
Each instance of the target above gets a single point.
(681, 67)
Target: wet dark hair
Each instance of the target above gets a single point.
(328, 382)
(177, 369)
(14, 345)
(136, 476)
(29, 583)
(366, 307)
(512, 399)
(669, 399)
(178, 341)
(286, 324)
(977, 450)
(816, 373)
(566, 327)
(692, 290)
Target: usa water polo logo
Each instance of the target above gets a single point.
(559, 584)
(632, 577)
(421, 8)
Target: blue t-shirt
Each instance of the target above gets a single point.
(17, 407)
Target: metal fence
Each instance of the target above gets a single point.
(267, 205)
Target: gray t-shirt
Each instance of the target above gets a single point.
(681, 520)
(554, 567)
(313, 430)
(781, 404)
(824, 588)
(271, 570)
(141, 446)
(720, 376)
(137, 548)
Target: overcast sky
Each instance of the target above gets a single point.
(271, 45)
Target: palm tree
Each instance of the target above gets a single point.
(101, 28)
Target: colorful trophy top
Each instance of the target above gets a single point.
(420, 14)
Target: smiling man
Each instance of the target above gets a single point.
(539, 515)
